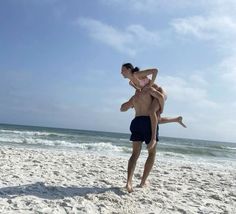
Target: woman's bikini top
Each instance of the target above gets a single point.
(144, 82)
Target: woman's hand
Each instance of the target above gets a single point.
(150, 84)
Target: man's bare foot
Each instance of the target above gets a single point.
(151, 144)
(180, 121)
(129, 188)
(143, 184)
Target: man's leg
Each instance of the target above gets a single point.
(137, 146)
(148, 165)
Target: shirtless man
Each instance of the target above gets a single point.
(140, 128)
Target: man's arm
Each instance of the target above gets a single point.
(127, 105)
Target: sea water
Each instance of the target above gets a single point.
(115, 144)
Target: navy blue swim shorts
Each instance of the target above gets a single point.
(141, 130)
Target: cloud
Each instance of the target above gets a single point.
(132, 39)
(206, 116)
(198, 80)
(216, 25)
(227, 70)
(206, 28)
(187, 91)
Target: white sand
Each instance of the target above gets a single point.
(71, 182)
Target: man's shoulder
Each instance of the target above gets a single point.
(132, 99)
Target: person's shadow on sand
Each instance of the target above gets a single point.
(40, 190)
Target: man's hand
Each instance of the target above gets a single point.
(127, 105)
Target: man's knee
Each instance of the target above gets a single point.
(137, 146)
(152, 151)
(135, 156)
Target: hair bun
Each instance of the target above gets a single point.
(135, 69)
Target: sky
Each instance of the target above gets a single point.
(60, 63)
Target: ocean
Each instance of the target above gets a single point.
(115, 144)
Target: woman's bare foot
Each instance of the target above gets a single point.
(180, 121)
(129, 188)
(151, 144)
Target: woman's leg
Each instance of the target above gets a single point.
(172, 120)
(154, 121)
(159, 96)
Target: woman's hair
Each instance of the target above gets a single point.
(131, 67)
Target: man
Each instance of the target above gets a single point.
(140, 131)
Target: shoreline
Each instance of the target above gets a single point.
(47, 181)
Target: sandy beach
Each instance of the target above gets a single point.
(48, 181)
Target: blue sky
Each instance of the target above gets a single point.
(60, 63)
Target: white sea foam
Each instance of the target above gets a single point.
(33, 141)
(117, 144)
(10, 140)
(30, 133)
(99, 146)
(94, 146)
(233, 148)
